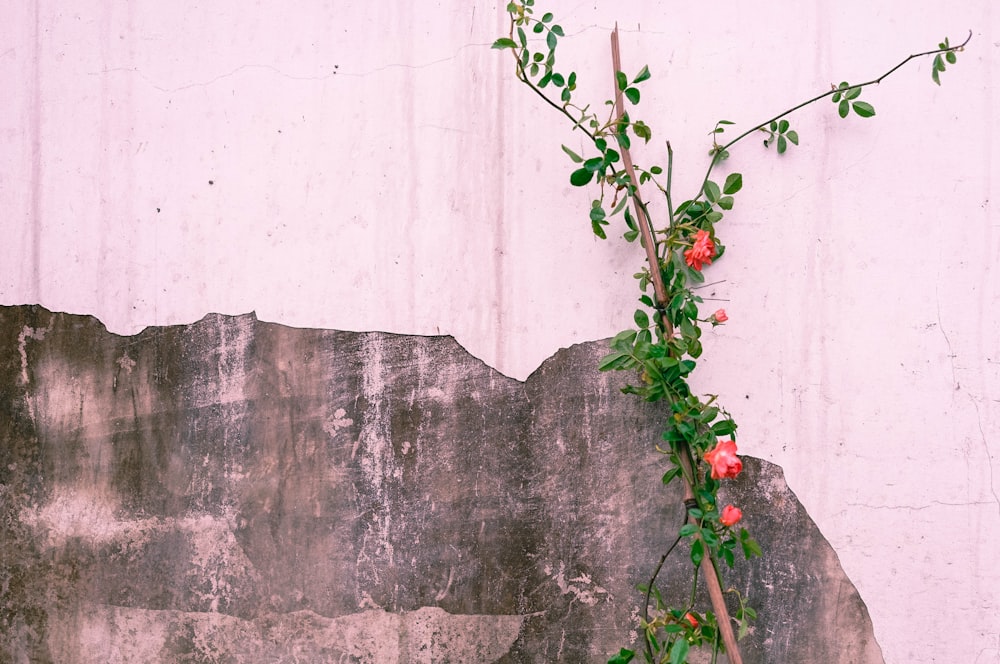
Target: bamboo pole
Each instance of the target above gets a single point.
(709, 571)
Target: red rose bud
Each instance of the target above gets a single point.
(730, 515)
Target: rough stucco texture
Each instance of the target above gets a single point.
(239, 491)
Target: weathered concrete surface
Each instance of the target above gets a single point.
(236, 491)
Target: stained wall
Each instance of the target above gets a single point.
(377, 168)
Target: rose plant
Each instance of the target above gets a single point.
(663, 347)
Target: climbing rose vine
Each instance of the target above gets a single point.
(663, 347)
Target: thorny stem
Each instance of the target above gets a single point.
(642, 218)
(717, 157)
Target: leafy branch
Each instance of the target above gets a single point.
(843, 95)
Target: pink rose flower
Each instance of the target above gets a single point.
(719, 317)
(730, 515)
(691, 619)
(723, 459)
(702, 251)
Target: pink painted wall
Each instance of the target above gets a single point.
(375, 166)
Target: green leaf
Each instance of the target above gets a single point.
(836, 97)
(594, 163)
(734, 182)
(934, 71)
(504, 42)
(669, 476)
(724, 428)
(537, 28)
(547, 17)
(632, 94)
(679, 651)
(619, 207)
(558, 30)
(597, 212)
(612, 361)
(596, 226)
(783, 126)
(774, 125)
(853, 93)
(864, 109)
(566, 95)
(551, 40)
(522, 38)
(688, 329)
(623, 657)
(711, 191)
(558, 80)
(793, 137)
(630, 236)
(581, 177)
(844, 108)
(726, 202)
(629, 220)
(572, 155)
(641, 318)
(642, 130)
(951, 57)
(687, 529)
(623, 340)
(750, 547)
(544, 80)
(621, 80)
(642, 75)
(782, 144)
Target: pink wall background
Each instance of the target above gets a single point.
(376, 167)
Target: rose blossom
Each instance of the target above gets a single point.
(719, 316)
(702, 251)
(691, 619)
(725, 463)
(730, 515)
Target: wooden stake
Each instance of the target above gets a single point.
(708, 570)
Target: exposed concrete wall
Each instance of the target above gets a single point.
(246, 492)
(373, 166)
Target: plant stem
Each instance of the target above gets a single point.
(645, 226)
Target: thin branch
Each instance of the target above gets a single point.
(875, 81)
(652, 581)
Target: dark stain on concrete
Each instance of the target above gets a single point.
(238, 491)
